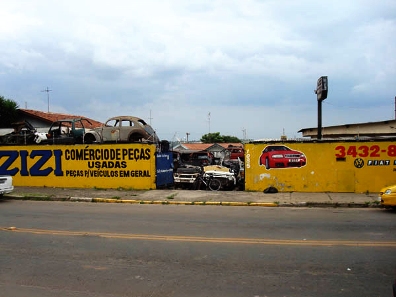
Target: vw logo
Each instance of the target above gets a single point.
(359, 163)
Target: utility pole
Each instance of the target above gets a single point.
(47, 90)
(187, 136)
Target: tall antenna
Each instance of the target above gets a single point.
(150, 118)
(209, 121)
(47, 90)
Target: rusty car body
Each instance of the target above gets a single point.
(126, 129)
(71, 131)
(24, 133)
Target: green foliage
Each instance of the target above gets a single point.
(8, 112)
(217, 138)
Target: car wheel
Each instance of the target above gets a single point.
(89, 139)
(267, 165)
(135, 138)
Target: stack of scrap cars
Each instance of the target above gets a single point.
(120, 129)
(188, 166)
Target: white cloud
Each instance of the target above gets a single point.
(253, 64)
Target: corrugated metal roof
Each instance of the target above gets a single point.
(202, 146)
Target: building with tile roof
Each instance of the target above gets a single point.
(219, 150)
(43, 120)
(199, 146)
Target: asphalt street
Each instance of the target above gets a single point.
(53, 248)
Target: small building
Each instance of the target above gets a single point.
(43, 120)
(356, 131)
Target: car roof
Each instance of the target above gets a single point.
(124, 118)
(71, 120)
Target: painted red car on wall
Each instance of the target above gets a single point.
(280, 156)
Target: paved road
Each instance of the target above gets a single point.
(88, 249)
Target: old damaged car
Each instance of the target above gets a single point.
(24, 133)
(387, 196)
(71, 131)
(224, 174)
(127, 129)
(280, 156)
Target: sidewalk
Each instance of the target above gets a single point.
(193, 197)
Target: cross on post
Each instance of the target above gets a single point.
(47, 90)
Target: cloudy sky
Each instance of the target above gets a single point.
(246, 68)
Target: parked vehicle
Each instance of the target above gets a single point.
(70, 131)
(6, 185)
(280, 156)
(126, 129)
(387, 196)
(184, 176)
(236, 152)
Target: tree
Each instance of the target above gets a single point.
(217, 138)
(8, 112)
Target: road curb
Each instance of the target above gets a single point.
(201, 203)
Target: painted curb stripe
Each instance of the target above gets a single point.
(164, 202)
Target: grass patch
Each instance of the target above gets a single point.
(171, 196)
(99, 189)
(127, 189)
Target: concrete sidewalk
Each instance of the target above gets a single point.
(193, 197)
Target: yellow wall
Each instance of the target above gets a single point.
(330, 167)
(130, 166)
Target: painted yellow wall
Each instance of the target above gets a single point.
(130, 166)
(330, 167)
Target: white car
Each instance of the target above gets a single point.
(6, 186)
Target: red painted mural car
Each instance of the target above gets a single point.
(280, 156)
